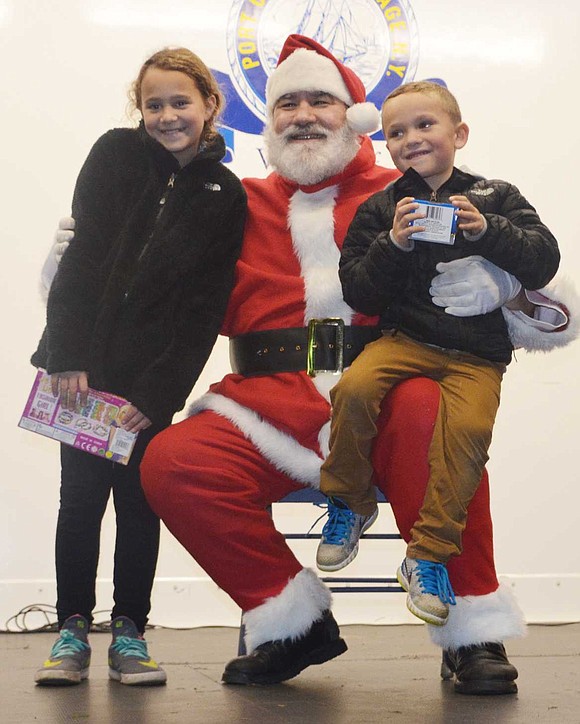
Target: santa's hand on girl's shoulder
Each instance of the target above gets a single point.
(62, 238)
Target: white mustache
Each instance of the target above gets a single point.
(309, 128)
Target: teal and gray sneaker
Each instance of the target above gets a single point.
(129, 661)
(70, 656)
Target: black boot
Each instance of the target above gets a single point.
(480, 669)
(276, 661)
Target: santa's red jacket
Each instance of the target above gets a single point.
(286, 275)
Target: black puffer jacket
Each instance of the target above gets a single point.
(379, 278)
(140, 294)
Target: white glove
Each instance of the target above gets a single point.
(471, 286)
(62, 238)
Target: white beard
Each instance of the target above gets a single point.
(310, 162)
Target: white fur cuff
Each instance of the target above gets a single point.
(531, 337)
(289, 614)
(494, 617)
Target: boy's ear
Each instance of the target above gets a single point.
(461, 135)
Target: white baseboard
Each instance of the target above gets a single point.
(195, 602)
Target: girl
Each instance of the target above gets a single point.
(135, 309)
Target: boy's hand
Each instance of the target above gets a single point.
(134, 420)
(471, 222)
(67, 385)
(405, 213)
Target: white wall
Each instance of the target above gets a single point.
(514, 68)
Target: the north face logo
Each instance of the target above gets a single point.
(482, 192)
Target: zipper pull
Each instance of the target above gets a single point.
(433, 196)
(169, 186)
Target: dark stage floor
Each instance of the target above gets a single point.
(389, 674)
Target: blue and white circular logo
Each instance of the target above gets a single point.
(377, 39)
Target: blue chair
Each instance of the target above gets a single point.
(337, 583)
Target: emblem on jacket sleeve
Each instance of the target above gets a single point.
(482, 192)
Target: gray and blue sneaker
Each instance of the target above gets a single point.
(129, 661)
(339, 542)
(70, 656)
(429, 590)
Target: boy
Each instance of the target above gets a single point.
(384, 270)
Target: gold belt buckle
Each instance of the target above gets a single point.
(337, 322)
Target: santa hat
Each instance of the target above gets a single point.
(305, 65)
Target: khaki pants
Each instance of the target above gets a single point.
(470, 392)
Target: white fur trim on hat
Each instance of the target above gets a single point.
(363, 117)
(307, 66)
(305, 70)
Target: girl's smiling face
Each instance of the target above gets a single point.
(174, 111)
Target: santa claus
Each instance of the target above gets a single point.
(262, 431)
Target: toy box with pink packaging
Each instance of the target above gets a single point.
(94, 428)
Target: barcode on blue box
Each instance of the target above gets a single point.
(440, 223)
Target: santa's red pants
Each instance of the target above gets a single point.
(212, 488)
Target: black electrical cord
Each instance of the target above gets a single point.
(19, 623)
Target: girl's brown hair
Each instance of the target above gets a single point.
(183, 61)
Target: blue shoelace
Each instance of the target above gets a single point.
(67, 645)
(127, 646)
(434, 579)
(338, 527)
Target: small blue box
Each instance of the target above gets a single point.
(440, 223)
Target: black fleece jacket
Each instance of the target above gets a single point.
(380, 278)
(140, 294)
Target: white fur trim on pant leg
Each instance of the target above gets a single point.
(289, 614)
(479, 619)
(282, 451)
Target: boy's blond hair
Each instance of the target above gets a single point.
(445, 97)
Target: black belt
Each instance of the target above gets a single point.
(326, 345)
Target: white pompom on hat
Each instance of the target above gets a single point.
(305, 65)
